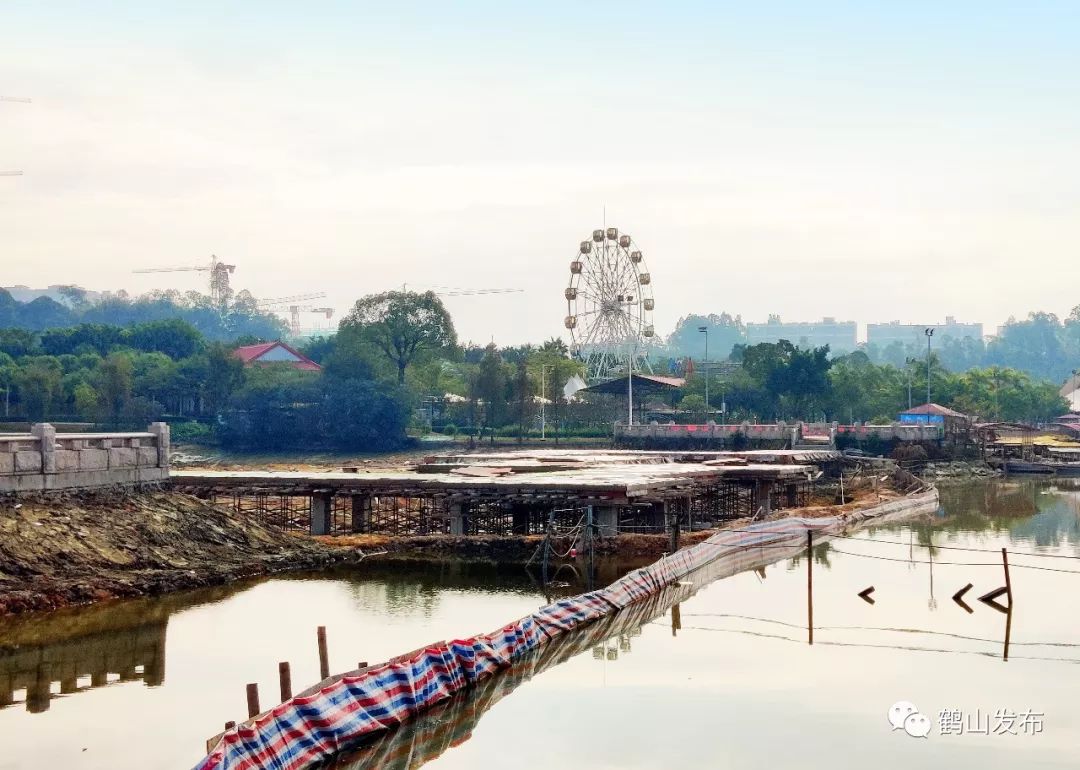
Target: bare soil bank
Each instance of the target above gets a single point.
(65, 549)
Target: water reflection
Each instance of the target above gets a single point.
(75, 650)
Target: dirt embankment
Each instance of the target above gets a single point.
(64, 549)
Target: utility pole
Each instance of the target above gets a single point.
(705, 330)
(929, 334)
(907, 365)
(543, 399)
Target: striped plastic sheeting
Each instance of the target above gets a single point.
(305, 730)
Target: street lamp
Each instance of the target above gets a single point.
(929, 334)
(705, 330)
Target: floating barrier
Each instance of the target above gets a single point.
(314, 726)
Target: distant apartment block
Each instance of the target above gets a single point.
(838, 335)
(883, 335)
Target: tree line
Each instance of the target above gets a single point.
(780, 381)
(1041, 345)
(396, 361)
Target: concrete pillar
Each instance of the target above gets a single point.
(606, 519)
(38, 693)
(46, 436)
(791, 494)
(360, 513)
(322, 505)
(162, 440)
(457, 519)
(519, 516)
(7, 691)
(762, 497)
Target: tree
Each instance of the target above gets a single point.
(489, 385)
(224, 376)
(114, 381)
(39, 383)
(174, 337)
(725, 332)
(400, 325)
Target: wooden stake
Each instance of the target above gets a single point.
(810, 585)
(1008, 582)
(324, 656)
(253, 699)
(230, 725)
(284, 680)
(362, 664)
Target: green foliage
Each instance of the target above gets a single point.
(192, 432)
(289, 412)
(400, 325)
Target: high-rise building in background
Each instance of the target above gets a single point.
(838, 335)
(883, 335)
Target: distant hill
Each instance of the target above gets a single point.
(241, 318)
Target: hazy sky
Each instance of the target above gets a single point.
(864, 160)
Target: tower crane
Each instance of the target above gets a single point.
(295, 308)
(220, 289)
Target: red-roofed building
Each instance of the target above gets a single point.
(275, 353)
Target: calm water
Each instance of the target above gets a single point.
(729, 680)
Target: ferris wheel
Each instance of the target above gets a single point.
(609, 304)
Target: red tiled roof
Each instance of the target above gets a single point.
(250, 354)
(936, 409)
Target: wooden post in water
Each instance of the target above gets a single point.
(324, 656)
(810, 585)
(284, 680)
(253, 699)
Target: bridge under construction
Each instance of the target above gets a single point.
(521, 492)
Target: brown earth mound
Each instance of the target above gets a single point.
(64, 549)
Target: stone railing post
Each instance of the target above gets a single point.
(161, 439)
(46, 437)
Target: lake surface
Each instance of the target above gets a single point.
(726, 680)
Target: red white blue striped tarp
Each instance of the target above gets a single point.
(308, 729)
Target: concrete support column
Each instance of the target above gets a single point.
(519, 516)
(38, 694)
(457, 519)
(606, 519)
(322, 505)
(46, 436)
(763, 497)
(360, 513)
(162, 440)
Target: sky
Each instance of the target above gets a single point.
(866, 161)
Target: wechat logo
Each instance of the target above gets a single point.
(904, 715)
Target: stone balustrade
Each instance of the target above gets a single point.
(44, 459)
